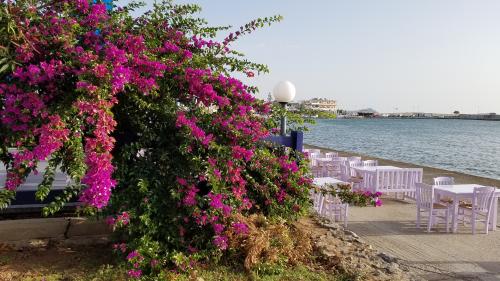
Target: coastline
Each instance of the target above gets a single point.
(429, 172)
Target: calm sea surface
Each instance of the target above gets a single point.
(471, 147)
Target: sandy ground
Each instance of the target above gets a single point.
(59, 263)
(436, 255)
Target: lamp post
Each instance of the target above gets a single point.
(284, 92)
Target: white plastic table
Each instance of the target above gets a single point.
(317, 160)
(372, 169)
(320, 182)
(323, 160)
(327, 180)
(465, 191)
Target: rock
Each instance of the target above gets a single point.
(350, 233)
(392, 268)
(329, 254)
(359, 240)
(387, 258)
(321, 244)
(38, 243)
(331, 225)
(344, 251)
(349, 238)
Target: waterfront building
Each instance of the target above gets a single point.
(363, 113)
(322, 104)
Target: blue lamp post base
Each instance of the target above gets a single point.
(294, 141)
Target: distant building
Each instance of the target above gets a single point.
(294, 106)
(368, 112)
(321, 104)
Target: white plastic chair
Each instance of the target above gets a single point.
(354, 158)
(312, 158)
(339, 158)
(426, 204)
(444, 181)
(333, 168)
(354, 164)
(333, 209)
(313, 155)
(396, 180)
(317, 171)
(370, 163)
(346, 175)
(327, 167)
(314, 150)
(481, 208)
(317, 200)
(345, 172)
(331, 154)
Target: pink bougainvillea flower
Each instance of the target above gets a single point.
(240, 228)
(135, 273)
(221, 242)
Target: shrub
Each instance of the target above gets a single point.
(144, 117)
(265, 244)
(354, 197)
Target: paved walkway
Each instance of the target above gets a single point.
(434, 256)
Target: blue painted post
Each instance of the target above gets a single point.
(294, 141)
(109, 4)
(297, 140)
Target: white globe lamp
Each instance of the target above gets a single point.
(284, 92)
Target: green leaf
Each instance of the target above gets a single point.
(44, 187)
(6, 197)
(4, 68)
(69, 193)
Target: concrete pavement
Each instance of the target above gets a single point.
(434, 256)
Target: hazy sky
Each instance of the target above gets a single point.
(391, 55)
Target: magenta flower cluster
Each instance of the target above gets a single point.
(102, 66)
(374, 197)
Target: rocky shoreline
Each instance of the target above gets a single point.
(345, 251)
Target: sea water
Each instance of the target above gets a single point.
(467, 146)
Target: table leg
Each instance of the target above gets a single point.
(493, 217)
(366, 181)
(455, 214)
(362, 184)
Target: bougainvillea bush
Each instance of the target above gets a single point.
(144, 116)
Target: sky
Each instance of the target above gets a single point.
(390, 55)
